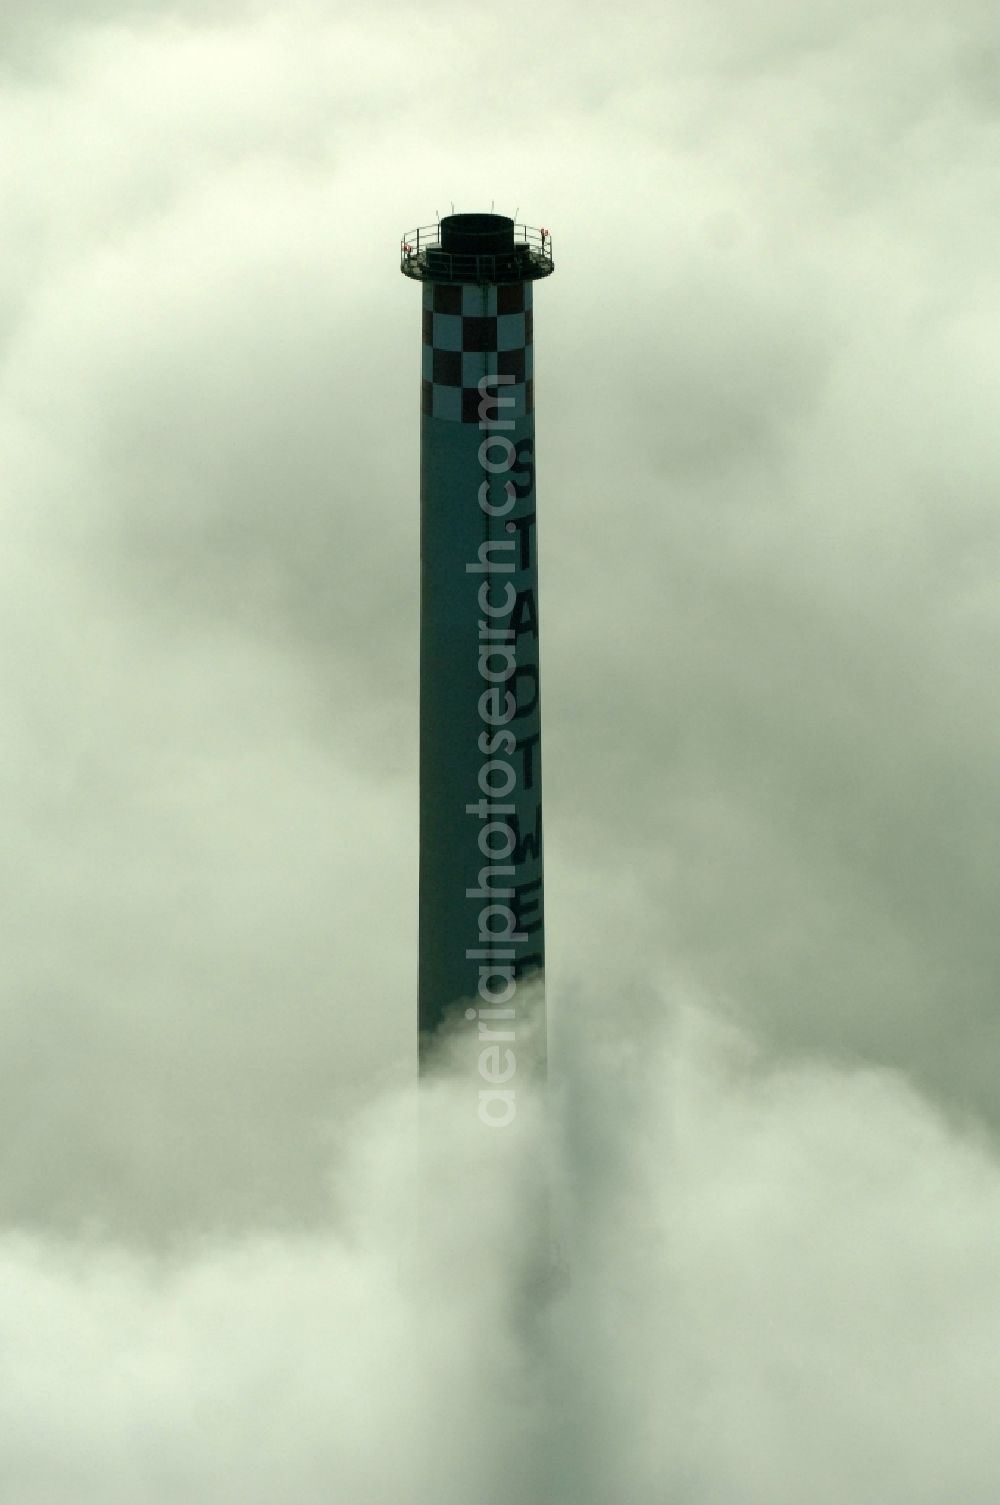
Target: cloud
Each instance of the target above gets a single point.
(773, 1282)
(767, 464)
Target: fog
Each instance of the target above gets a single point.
(767, 472)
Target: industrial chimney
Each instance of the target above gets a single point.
(482, 945)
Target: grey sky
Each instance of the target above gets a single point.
(768, 466)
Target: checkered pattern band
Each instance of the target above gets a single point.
(471, 331)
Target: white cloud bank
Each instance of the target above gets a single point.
(779, 1285)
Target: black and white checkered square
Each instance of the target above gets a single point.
(473, 331)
